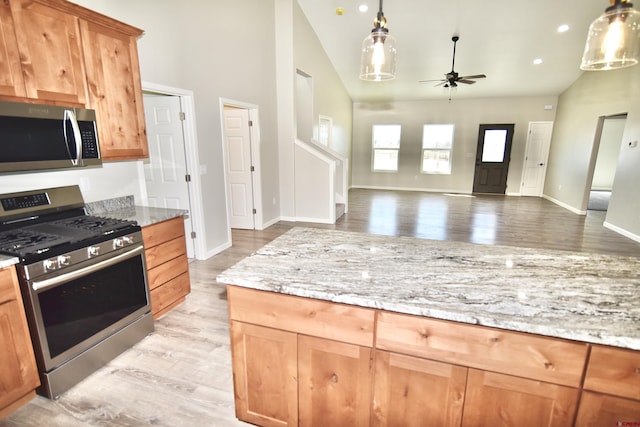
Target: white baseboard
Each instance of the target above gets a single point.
(564, 205)
(622, 231)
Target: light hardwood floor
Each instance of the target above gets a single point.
(181, 375)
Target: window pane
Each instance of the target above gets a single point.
(436, 161)
(437, 136)
(386, 136)
(494, 144)
(386, 160)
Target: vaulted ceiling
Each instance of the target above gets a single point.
(498, 38)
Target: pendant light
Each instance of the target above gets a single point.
(378, 57)
(614, 38)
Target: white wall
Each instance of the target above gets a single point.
(593, 95)
(113, 179)
(608, 151)
(466, 115)
(217, 49)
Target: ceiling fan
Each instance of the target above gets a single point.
(452, 78)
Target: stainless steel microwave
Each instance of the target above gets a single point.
(43, 137)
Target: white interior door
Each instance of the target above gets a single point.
(238, 165)
(166, 170)
(535, 164)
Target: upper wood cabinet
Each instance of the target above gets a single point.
(11, 81)
(18, 371)
(50, 51)
(115, 90)
(57, 52)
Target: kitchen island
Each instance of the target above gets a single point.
(357, 329)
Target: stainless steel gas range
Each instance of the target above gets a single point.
(83, 281)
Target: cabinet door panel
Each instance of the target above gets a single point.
(18, 372)
(50, 52)
(497, 399)
(334, 383)
(265, 376)
(11, 81)
(415, 392)
(598, 410)
(115, 91)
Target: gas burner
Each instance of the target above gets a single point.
(96, 224)
(27, 241)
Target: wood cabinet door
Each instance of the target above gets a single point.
(50, 52)
(264, 375)
(334, 383)
(18, 371)
(414, 392)
(502, 400)
(597, 410)
(115, 91)
(11, 81)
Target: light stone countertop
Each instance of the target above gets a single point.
(579, 296)
(8, 261)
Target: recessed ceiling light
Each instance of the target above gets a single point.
(563, 28)
(537, 61)
(363, 8)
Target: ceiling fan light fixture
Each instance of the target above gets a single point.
(378, 54)
(614, 38)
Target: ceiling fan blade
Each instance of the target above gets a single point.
(434, 80)
(476, 76)
(441, 83)
(469, 82)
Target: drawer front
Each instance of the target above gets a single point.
(162, 253)
(167, 271)
(321, 319)
(167, 294)
(520, 354)
(161, 232)
(614, 371)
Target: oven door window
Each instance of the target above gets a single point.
(78, 310)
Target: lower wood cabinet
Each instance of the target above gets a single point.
(167, 264)
(299, 361)
(414, 392)
(18, 370)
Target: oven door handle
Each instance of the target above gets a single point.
(54, 281)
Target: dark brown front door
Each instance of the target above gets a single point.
(492, 158)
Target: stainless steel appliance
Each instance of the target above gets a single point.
(34, 137)
(83, 281)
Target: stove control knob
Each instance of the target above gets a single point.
(118, 243)
(63, 260)
(127, 239)
(93, 251)
(50, 264)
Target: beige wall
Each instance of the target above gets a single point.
(572, 156)
(466, 115)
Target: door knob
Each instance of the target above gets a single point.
(541, 164)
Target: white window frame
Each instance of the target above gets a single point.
(325, 126)
(437, 141)
(385, 143)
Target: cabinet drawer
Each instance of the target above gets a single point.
(165, 296)
(162, 253)
(302, 315)
(161, 232)
(167, 271)
(520, 354)
(614, 371)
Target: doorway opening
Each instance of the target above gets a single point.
(173, 137)
(241, 148)
(606, 149)
(492, 158)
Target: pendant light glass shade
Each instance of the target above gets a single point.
(378, 55)
(614, 39)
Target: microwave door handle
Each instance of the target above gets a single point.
(69, 115)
